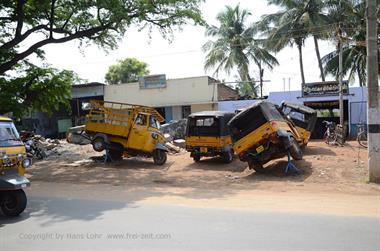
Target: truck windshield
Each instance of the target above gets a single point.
(8, 134)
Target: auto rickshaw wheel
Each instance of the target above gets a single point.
(255, 165)
(294, 149)
(159, 157)
(197, 158)
(13, 203)
(228, 157)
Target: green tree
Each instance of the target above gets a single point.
(234, 46)
(102, 22)
(126, 71)
(36, 88)
(27, 26)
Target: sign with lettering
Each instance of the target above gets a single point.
(327, 88)
(152, 81)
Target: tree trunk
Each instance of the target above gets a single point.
(319, 58)
(299, 46)
(360, 77)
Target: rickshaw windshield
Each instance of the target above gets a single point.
(299, 118)
(8, 134)
(204, 126)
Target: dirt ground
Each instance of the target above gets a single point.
(326, 174)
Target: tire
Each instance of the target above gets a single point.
(255, 165)
(116, 151)
(98, 144)
(228, 157)
(294, 149)
(159, 157)
(14, 203)
(197, 158)
(362, 140)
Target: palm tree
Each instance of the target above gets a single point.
(349, 19)
(234, 46)
(283, 29)
(297, 20)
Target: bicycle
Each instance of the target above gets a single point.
(330, 135)
(362, 135)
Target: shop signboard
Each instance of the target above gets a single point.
(152, 81)
(327, 88)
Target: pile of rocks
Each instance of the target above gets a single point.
(174, 133)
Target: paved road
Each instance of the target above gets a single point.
(58, 223)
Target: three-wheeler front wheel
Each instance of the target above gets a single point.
(294, 149)
(159, 157)
(13, 202)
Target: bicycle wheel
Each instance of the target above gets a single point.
(362, 139)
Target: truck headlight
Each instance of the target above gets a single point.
(26, 163)
(154, 135)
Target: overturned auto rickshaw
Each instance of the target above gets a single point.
(13, 161)
(261, 133)
(303, 118)
(208, 135)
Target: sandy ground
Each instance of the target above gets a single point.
(331, 179)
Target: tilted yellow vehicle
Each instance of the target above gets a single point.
(261, 133)
(13, 162)
(126, 130)
(208, 135)
(303, 118)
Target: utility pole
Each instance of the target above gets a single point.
(261, 81)
(340, 76)
(373, 104)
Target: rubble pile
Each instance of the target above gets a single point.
(45, 144)
(176, 129)
(174, 133)
(74, 136)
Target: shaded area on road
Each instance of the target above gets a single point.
(189, 228)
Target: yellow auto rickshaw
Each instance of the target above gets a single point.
(261, 133)
(208, 135)
(13, 161)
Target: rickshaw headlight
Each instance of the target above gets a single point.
(26, 163)
(154, 135)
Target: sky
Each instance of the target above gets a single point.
(183, 56)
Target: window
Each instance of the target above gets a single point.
(154, 123)
(186, 110)
(204, 126)
(140, 120)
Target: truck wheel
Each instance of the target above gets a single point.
(294, 149)
(116, 151)
(255, 165)
(228, 157)
(98, 144)
(159, 157)
(14, 203)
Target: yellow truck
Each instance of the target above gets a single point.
(13, 161)
(126, 130)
